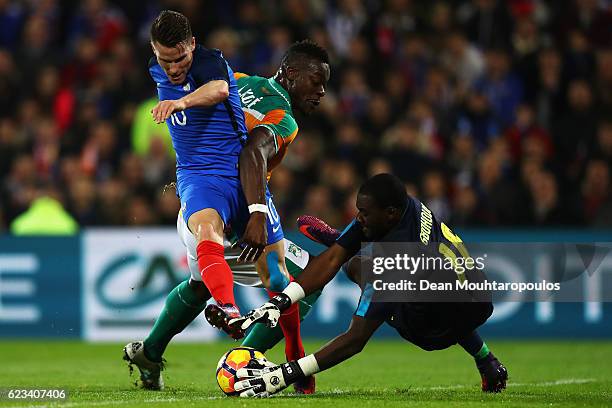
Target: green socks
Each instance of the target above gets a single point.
(181, 308)
(482, 353)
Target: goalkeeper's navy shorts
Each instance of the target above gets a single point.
(436, 326)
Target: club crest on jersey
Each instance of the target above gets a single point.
(295, 250)
(187, 87)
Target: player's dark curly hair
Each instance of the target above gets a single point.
(305, 48)
(170, 28)
(387, 191)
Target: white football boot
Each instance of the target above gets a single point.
(150, 372)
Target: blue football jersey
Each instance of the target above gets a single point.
(207, 140)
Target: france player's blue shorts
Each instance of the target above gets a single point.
(224, 194)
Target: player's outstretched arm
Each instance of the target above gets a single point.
(254, 157)
(322, 269)
(209, 94)
(265, 381)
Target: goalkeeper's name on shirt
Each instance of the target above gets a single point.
(426, 285)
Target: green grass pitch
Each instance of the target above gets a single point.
(386, 373)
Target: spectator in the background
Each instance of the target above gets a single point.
(167, 206)
(414, 60)
(11, 19)
(378, 115)
(499, 198)
(138, 212)
(8, 144)
(465, 207)
(83, 67)
(603, 147)
(55, 98)
(228, 42)
(46, 147)
(394, 25)
(379, 165)
(132, 174)
(318, 202)
(478, 121)
(486, 22)
(283, 185)
(591, 18)
(145, 131)
(546, 208)
(351, 145)
(462, 158)
(403, 148)
(502, 88)
(354, 94)
(596, 192)
(525, 130)
(546, 87)
(19, 187)
(463, 60)
(603, 81)
(99, 156)
(82, 198)
(266, 54)
(35, 49)
(440, 25)
(430, 142)
(342, 181)
(525, 39)
(579, 58)
(435, 194)
(113, 197)
(9, 84)
(45, 216)
(344, 23)
(574, 132)
(359, 57)
(100, 21)
(396, 89)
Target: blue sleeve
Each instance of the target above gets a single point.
(209, 66)
(370, 309)
(352, 237)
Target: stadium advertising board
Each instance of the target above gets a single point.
(109, 285)
(127, 275)
(40, 287)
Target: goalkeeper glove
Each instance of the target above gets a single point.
(268, 313)
(263, 382)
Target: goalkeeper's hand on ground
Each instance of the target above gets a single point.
(268, 313)
(264, 380)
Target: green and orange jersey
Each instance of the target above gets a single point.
(266, 103)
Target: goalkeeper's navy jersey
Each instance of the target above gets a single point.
(207, 140)
(430, 326)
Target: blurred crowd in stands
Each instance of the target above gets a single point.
(494, 113)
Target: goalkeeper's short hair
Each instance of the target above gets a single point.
(386, 190)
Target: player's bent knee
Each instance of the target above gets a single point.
(207, 225)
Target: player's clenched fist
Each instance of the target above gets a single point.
(164, 109)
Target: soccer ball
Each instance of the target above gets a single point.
(230, 363)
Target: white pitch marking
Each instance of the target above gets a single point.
(335, 391)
